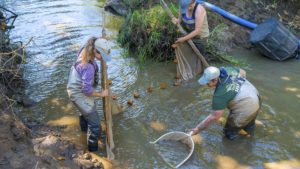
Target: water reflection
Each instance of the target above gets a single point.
(158, 126)
(69, 121)
(226, 162)
(285, 164)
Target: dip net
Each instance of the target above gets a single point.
(175, 148)
(189, 64)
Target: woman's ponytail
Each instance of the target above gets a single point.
(88, 51)
(190, 8)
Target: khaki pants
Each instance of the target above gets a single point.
(231, 130)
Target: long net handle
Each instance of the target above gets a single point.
(191, 43)
(107, 113)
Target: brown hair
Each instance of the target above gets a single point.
(88, 51)
(190, 9)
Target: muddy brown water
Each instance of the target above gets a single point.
(60, 27)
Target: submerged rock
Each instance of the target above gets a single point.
(25, 101)
(84, 163)
(130, 102)
(87, 156)
(150, 89)
(163, 85)
(98, 165)
(136, 95)
(94, 160)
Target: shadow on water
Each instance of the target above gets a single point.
(60, 27)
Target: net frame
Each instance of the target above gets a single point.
(183, 137)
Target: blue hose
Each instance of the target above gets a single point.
(233, 18)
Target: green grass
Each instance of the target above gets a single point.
(149, 34)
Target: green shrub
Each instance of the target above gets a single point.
(149, 34)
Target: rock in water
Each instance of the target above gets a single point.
(130, 102)
(136, 95)
(163, 85)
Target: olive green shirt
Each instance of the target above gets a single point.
(228, 86)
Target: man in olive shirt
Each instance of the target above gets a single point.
(233, 91)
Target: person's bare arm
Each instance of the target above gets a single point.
(199, 17)
(104, 93)
(243, 73)
(214, 116)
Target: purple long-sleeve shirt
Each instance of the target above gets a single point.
(86, 72)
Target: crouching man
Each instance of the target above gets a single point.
(234, 91)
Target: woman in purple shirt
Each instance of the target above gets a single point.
(82, 82)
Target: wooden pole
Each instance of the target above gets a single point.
(107, 113)
(191, 43)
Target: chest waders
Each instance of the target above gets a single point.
(243, 111)
(189, 25)
(89, 118)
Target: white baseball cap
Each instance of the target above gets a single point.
(209, 74)
(103, 47)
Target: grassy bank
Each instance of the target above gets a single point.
(149, 34)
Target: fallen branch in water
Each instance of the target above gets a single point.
(14, 51)
(9, 71)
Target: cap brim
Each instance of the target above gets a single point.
(102, 45)
(106, 57)
(203, 81)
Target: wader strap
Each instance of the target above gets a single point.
(194, 11)
(193, 14)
